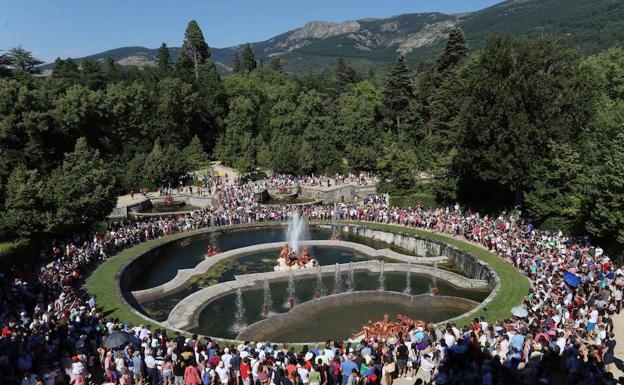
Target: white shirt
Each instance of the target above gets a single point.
(593, 316)
(150, 362)
(304, 374)
(224, 374)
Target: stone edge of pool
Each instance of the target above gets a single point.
(185, 314)
(394, 231)
(184, 277)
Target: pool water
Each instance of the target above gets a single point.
(174, 256)
(218, 318)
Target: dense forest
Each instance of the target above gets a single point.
(527, 123)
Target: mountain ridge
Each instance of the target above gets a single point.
(375, 42)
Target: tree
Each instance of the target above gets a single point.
(396, 166)
(24, 214)
(359, 114)
(194, 155)
(163, 61)
(66, 70)
(248, 61)
(606, 198)
(155, 168)
(345, 76)
(114, 71)
(455, 52)
(557, 197)
(276, 64)
(517, 97)
(19, 59)
(81, 191)
(194, 52)
(91, 74)
(398, 90)
(236, 145)
(236, 64)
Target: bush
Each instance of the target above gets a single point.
(16, 253)
(427, 200)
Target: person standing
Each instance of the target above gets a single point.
(191, 376)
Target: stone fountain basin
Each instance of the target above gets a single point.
(184, 277)
(300, 315)
(185, 315)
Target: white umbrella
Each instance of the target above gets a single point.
(519, 311)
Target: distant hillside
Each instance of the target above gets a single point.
(590, 25)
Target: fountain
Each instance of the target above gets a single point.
(291, 290)
(240, 310)
(408, 279)
(297, 231)
(337, 279)
(268, 303)
(350, 278)
(320, 288)
(290, 256)
(335, 225)
(434, 279)
(382, 279)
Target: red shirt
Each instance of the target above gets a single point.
(244, 370)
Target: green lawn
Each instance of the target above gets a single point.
(514, 286)
(103, 280)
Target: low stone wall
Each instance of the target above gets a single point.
(185, 315)
(183, 278)
(342, 193)
(264, 329)
(141, 206)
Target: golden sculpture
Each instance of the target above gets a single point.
(288, 258)
(386, 328)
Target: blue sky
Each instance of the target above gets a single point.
(75, 28)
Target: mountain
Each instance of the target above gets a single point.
(590, 25)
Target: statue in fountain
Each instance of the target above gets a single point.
(290, 257)
(386, 328)
(211, 251)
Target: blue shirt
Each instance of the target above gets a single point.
(517, 341)
(347, 367)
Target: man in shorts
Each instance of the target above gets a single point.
(401, 358)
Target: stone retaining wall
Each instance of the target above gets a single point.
(474, 267)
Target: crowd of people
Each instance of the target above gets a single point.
(53, 334)
(288, 180)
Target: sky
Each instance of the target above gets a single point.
(76, 28)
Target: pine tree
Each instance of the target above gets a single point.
(345, 75)
(455, 52)
(194, 50)
(163, 60)
(114, 71)
(276, 64)
(248, 62)
(398, 90)
(91, 74)
(236, 64)
(66, 70)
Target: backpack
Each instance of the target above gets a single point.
(206, 377)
